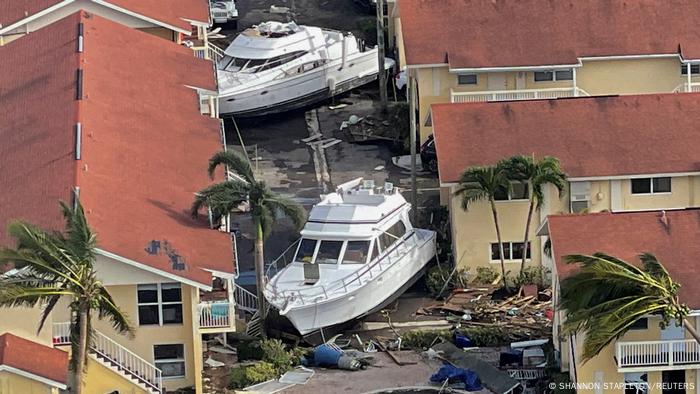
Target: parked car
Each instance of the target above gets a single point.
(223, 11)
(428, 155)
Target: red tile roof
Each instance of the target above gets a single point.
(592, 136)
(170, 12)
(507, 33)
(627, 235)
(34, 358)
(145, 146)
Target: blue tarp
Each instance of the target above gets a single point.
(454, 374)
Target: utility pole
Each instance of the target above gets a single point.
(412, 116)
(381, 51)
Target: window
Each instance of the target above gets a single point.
(651, 185)
(329, 252)
(511, 251)
(392, 234)
(694, 69)
(518, 191)
(375, 250)
(159, 304)
(467, 79)
(636, 383)
(306, 250)
(170, 359)
(551, 76)
(579, 197)
(356, 252)
(641, 324)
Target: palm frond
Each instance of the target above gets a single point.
(80, 239)
(481, 183)
(107, 308)
(608, 295)
(220, 198)
(290, 208)
(236, 163)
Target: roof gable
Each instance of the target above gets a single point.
(36, 361)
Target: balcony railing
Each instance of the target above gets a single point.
(687, 87)
(208, 51)
(521, 94)
(657, 353)
(215, 314)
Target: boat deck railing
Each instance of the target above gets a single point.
(415, 239)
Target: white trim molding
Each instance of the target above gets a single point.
(635, 176)
(34, 17)
(29, 375)
(154, 270)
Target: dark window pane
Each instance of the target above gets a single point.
(356, 252)
(506, 250)
(148, 314)
(519, 191)
(641, 324)
(375, 250)
(579, 206)
(565, 75)
(170, 292)
(641, 186)
(662, 185)
(529, 250)
(501, 194)
(306, 250)
(694, 69)
(328, 252)
(168, 352)
(172, 314)
(544, 76)
(517, 250)
(147, 293)
(469, 79)
(172, 369)
(495, 252)
(398, 230)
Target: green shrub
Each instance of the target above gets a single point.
(241, 377)
(530, 276)
(423, 339)
(250, 350)
(485, 275)
(237, 378)
(436, 277)
(274, 352)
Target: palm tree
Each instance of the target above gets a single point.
(608, 295)
(222, 198)
(55, 265)
(482, 184)
(536, 173)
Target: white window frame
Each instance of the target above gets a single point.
(684, 69)
(554, 75)
(476, 82)
(651, 186)
(509, 258)
(510, 196)
(579, 192)
(159, 303)
(171, 360)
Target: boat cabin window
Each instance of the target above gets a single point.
(375, 250)
(329, 252)
(306, 250)
(237, 64)
(356, 252)
(392, 234)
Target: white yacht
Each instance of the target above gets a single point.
(275, 67)
(358, 251)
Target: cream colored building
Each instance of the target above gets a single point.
(459, 51)
(647, 354)
(619, 153)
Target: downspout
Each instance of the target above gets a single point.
(688, 77)
(573, 71)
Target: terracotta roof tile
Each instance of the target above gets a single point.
(506, 33)
(34, 358)
(592, 136)
(145, 145)
(627, 235)
(172, 12)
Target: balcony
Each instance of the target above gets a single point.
(213, 314)
(521, 94)
(687, 88)
(657, 355)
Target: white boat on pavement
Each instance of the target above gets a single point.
(275, 67)
(358, 251)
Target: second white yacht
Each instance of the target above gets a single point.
(275, 67)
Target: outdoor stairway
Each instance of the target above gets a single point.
(117, 358)
(254, 326)
(245, 300)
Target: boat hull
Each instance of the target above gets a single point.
(300, 91)
(367, 299)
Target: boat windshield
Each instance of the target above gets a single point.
(329, 252)
(239, 64)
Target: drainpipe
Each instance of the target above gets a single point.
(688, 77)
(573, 71)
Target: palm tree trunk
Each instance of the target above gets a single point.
(527, 234)
(500, 243)
(691, 330)
(82, 349)
(260, 274)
